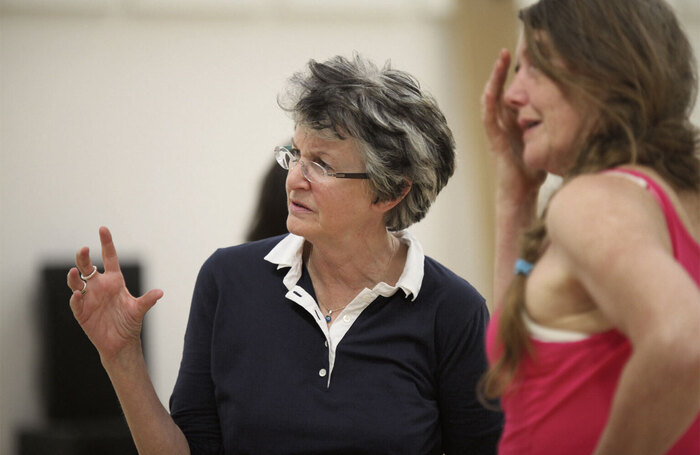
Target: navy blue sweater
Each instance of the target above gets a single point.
(403, 382)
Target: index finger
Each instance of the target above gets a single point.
(109, 252)
(499, 74)
(491, 101)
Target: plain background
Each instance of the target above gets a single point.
(157, 118)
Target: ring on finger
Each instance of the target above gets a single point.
(94, 271)
(84, 289)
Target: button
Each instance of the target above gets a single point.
(322, 372)
(325, 343)
(347, 318)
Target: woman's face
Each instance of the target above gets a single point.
(552, 125)
(334, 209)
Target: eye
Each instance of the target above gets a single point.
(533, 68)
(296, 153)
(323, 165)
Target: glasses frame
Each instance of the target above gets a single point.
(282, 152)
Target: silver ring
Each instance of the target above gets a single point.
(85, 278)
(84, 289)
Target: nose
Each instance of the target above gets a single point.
(515, 95)
(296, 176)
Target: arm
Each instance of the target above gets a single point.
(193, 404)
(613, 236)
(467, 426)
(517, 187)
(112, 318)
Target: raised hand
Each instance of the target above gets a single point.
(109, 315)
(503, 132)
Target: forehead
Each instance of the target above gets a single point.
(321, 143)
(545, 47)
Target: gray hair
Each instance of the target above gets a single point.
(400, 130)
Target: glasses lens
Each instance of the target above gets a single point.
(283, 157)
(315, 172)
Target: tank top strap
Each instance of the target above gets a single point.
(685, 249)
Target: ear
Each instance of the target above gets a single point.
(385, 206)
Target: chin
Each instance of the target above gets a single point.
(294, 229)
(533, 159)
(297, 227)
(541, 160)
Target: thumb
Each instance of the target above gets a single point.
(149, 299)
(76, 304)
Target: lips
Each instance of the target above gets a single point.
(526, 124)
(298, 206)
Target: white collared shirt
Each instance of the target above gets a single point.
(288, 253)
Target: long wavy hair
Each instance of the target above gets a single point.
(631, 61)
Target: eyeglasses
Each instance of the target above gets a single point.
(314, 172)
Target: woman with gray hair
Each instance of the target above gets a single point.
(338, 338)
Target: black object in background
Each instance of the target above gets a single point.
(81, 410)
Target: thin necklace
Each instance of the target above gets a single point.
(328, 316)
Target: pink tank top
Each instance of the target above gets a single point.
(562, 400)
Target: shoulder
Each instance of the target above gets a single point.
(605, 206)
(258, 248)
(449, 292)
(600, 192)
(437, 276)
(243, 256)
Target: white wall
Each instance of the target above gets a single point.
(159, 124)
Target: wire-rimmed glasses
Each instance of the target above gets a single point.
(288, 157)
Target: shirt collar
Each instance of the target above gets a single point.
(288, 253)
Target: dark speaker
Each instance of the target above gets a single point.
(74, 384)
(82, 412)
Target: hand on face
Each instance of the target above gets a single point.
(110, 316)
(499, 119)
(502, 130)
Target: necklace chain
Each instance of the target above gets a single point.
(329, 312)
(328, 316)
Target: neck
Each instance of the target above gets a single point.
(356, 265)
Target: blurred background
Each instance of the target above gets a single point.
(157, 118)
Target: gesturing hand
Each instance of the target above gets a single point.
(108, 314)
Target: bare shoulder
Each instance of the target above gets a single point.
(606, 209)
(609, 235)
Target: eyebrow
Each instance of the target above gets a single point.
(317, 155)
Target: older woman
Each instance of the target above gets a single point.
(339, 338)
(594, 345)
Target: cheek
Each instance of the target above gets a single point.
(578, 130)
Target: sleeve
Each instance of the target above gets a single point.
(467, 426)
(192, 403)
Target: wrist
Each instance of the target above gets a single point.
(127, 358)
(516, 207)
(515, 181)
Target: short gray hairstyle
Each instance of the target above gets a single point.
(399, 128)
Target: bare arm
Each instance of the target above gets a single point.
(616, 245)
(517, 187)
(112, 318)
